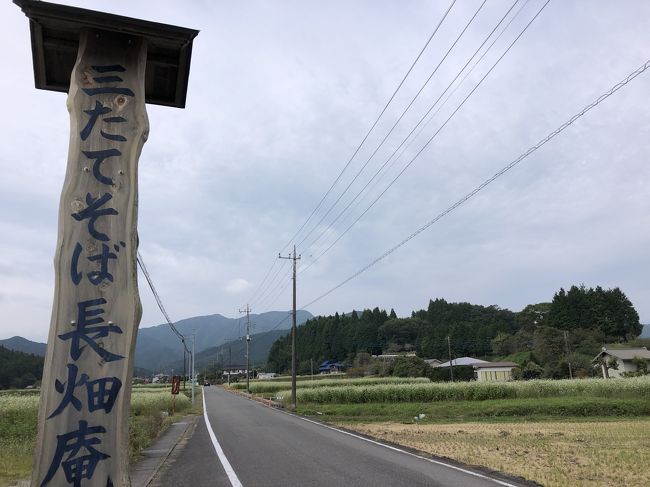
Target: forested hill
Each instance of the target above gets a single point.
(339, 337)
(18, 369)
(591, 316)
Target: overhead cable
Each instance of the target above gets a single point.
(338, 178)
(399, 119)
(444, 124)
(490, 180)
(391, 157)
(159, 301)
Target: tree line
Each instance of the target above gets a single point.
(543, 338)
(19, 370)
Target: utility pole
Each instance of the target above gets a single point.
(229, 362)
(451, 362)
(192, 369)
(184, 363)
(566, 345)
(248, 341)
(293, 329)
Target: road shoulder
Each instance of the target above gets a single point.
(144, 470)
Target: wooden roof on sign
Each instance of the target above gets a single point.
(55, 38)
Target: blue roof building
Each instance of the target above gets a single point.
(330, 366)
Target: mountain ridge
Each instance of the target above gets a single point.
(157, 346)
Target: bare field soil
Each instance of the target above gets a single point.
(552, 453)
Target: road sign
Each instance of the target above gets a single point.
(176, 384)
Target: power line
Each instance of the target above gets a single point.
(444, 124)
(279, 322)
(399, 119)
(267, 306)
(490, 180)
(442, 105)
(399, 86)
(426, 124)
(292, 239)
(263, 280)
(342, 212)
(159, 301)
(273, 285)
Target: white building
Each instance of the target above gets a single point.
(613, 362)
(494, 371)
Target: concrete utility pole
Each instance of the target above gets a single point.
(248, 341)
(100, 61)
(184, 365)
(229, 361)
(566, 345)
(192, 371)
(451, 362)
(293, 329)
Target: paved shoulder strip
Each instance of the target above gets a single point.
(232, 476)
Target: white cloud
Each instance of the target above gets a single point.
(237, 286)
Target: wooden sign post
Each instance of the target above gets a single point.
(87, 375)
(86, 387)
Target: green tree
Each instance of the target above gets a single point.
(410, 367)
(607, 310)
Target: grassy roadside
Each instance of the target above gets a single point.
(150, 416)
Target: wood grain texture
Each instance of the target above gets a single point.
(122, 125)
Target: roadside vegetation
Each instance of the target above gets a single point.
(264, 387)
(151, 408)
(631, 388)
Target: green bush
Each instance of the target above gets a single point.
(461, 373)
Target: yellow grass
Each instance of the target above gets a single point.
(551, 453)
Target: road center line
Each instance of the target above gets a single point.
(431, 460)
(232, 476)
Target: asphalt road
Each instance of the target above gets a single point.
(267, 447)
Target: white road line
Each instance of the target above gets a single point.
(232, 476)
(431, 460)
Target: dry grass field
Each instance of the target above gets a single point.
(551, 453)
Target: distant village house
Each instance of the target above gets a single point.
(332, 367)
(494, 371)
(617, 361)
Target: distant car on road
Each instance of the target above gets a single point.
(206, 384)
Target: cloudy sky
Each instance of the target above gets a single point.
(281, 93)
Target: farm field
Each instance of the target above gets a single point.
(555, 454)
(342, 393)
(18, 425)
(268, 386)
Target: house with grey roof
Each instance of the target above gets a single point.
(615, 361)
(462, 361)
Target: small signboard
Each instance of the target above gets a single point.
(176, 384)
